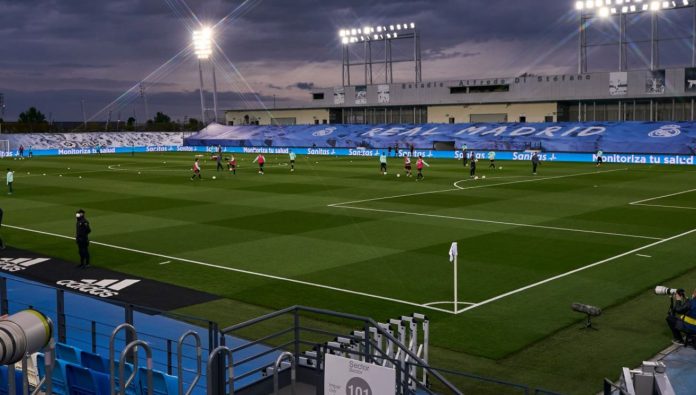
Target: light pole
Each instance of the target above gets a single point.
(203, 48)
(370, 36)
(604, 9)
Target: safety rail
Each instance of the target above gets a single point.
(229, 363)
(133, 346)
(130, 331)
(276, 368)
(179, 362)
(405, 379)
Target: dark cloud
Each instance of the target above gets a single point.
(305, 86)
(54, 49)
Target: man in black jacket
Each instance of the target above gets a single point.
(82, 231)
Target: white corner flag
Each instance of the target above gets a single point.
(453, 258)
(453, 251)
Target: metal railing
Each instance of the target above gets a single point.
(405, 377)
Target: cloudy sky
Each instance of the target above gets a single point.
(58, 53)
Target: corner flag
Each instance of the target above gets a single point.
(453, 252)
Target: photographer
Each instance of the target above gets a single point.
(682, 315)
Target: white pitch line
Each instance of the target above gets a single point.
(663, 196)
(485, 179)
(644, 256)
(663, 206)
(231, 269)
(486, 221)
(542, 179)
(474, 187)
(448, 302)
(566, 274)
(165, 262)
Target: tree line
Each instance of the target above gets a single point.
(34, 121)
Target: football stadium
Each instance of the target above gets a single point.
(388, 234)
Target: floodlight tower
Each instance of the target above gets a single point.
(604, 9)
(203, 48)
(369, 36)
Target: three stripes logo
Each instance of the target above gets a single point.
(100, 288)
(14, 265)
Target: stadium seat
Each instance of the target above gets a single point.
(94, 362)
(162, 383)
(4, 383)
(68, 353)
(97, 363)
(82, 381)
(58, 377)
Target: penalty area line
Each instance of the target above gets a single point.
(569, 273)
(248, 272)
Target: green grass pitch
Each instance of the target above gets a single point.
(337, 234)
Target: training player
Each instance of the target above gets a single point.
(293, 156)
(232, 165)
(10, 180)
(196, 170)
(472, 165)
(491, 157)
(465, 155)
(419, 166)
(218, 159)
(383, 163)
(407, 166)
(600, 158)
(260, 159)
(535, 162)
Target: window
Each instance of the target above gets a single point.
(523, 119)
(454, 90)
(548, 119)
(318, 96)
(489, 88)
(325, 121)
(451, 120)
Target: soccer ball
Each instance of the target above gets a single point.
(80, 177)
(214, 178)
(44, 173)
(501, 167)
(484, 177)
(476, 178)
(398, 175)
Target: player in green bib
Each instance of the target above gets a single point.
(293, 156)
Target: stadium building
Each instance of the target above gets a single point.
(641, 95)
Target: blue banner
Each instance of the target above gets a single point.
(358, 152)
(618, 137)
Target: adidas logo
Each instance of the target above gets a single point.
(100, 288)
(13, 265)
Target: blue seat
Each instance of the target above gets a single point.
(4, 383)
(97, 363)
(58, 378)
(68, 353)
(94, 362)
(162, 383)
(82, 381)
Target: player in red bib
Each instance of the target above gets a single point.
(419, 167)
(196, 170)
(407, 166)
(232, 165)
(260, 159)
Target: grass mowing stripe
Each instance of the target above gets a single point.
(500, 222)
(458, 188)
(238, 270)
(548, 280)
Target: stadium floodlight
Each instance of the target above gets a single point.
(374, 33)
(580, 5)
(203, 43)
(603, 12)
